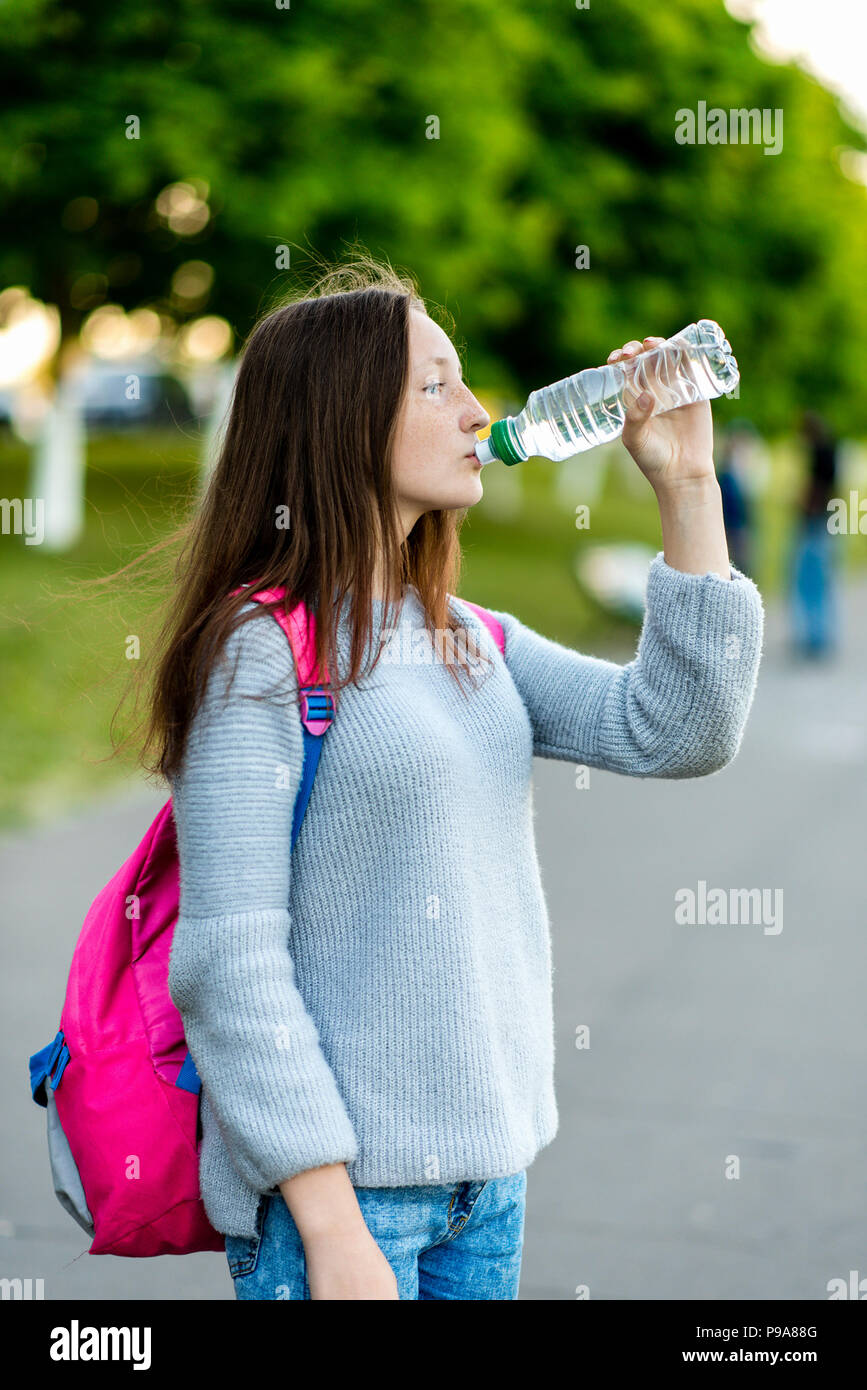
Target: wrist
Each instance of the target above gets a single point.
(350, 1233)
(323, 1205)
(693, 527)
(691, 492)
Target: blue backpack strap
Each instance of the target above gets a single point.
(319, 700)
(318, 712)
(51, 1058)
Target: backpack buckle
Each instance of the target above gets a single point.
(317, 708)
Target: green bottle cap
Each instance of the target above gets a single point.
(501, 442)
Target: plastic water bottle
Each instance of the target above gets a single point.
(589, 408)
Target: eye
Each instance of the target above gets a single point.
(434, 383)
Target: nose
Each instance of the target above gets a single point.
(481, 418)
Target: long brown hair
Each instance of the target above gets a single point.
(308, 440)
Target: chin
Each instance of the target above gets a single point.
(467, 495)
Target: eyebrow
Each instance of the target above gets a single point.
(442, 362)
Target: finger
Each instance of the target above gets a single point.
(636, 411)
(633, 347)
(628, 350)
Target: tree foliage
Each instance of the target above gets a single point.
(309, 127)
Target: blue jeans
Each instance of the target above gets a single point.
(462, 1241)
(813, 577)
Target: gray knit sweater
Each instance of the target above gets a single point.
(383, 994)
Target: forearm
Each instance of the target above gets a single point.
(323, 1204)
(693, 533)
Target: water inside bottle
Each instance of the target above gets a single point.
(580, 412)
(573, 419)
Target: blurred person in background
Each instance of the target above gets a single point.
(734, 472)
(812, 565)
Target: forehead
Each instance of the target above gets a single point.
(429, 345)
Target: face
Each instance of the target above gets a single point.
(436, 428)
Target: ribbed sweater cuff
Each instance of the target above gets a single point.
(702, 640)
(705, 604)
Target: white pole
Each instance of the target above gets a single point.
(59, 464)
(217, 420)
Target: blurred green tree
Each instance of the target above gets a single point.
(479, 142)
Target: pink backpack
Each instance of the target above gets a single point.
(118, 1081)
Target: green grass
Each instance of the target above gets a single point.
(64, 658)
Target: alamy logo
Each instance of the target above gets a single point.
(855, 1287)
(22, 1288)
(720, 907)
(404, 646)
(848, 520)
(25, 516)
(736, 127)
(76, 1343)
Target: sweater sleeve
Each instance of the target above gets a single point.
(678, 709)
(231, 974)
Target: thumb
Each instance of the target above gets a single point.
(638, 414)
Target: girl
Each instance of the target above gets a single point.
(370, 1015)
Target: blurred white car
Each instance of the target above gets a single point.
(615, 576)
(127, 395)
